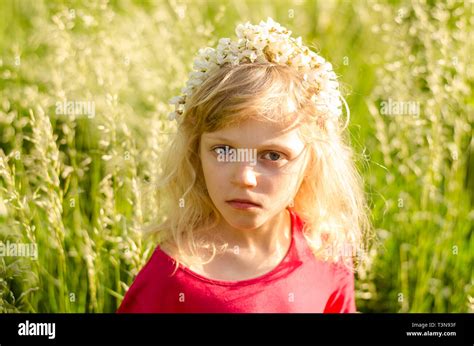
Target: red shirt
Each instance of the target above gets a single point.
(300, 283)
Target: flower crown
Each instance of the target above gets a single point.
(266, 42)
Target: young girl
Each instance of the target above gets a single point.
(266, 211)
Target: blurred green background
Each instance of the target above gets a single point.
(81, 187)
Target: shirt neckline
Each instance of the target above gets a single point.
(251, 280)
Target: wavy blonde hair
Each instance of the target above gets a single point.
(330, 198)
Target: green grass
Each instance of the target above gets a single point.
(81, 188)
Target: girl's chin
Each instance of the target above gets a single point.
(243, 221)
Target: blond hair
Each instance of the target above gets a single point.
(330, 198)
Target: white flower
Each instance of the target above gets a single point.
(172, 116)
(187, 90)
(268, 41)
(271, 24)
(208, 54)
(260, 42)
(299, 41)
(194, 82)
(244, 30)
(205, 51)
(176, 100)
(327, 66)
(250, 54)
(197, 75)
(201, 64)
(301, 60)
(224, 41)
(260, 58)
(221, 58)
(332, 84)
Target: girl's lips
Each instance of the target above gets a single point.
(240, 204)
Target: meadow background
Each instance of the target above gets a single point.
(81, 187)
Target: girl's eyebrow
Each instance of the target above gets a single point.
(268, 144)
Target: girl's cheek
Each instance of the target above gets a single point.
(283, 184)
(212, 165)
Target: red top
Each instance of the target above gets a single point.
(300, 283)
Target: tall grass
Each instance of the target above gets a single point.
(428, 217)
(81, 187)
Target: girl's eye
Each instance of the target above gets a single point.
(221, 150)
(274, 157)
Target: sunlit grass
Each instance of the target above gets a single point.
(81, 187)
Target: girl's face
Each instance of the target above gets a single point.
(257, 161)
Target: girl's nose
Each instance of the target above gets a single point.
(244, 175)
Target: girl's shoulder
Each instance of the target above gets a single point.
(158, 267)
(151, 284)
(169, 254)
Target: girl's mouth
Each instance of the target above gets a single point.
(243, 204)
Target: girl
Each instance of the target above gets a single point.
(266, 209)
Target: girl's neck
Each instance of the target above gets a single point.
(258, 252)
(267, 239)
(247, 255)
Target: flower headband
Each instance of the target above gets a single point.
(266, 42)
